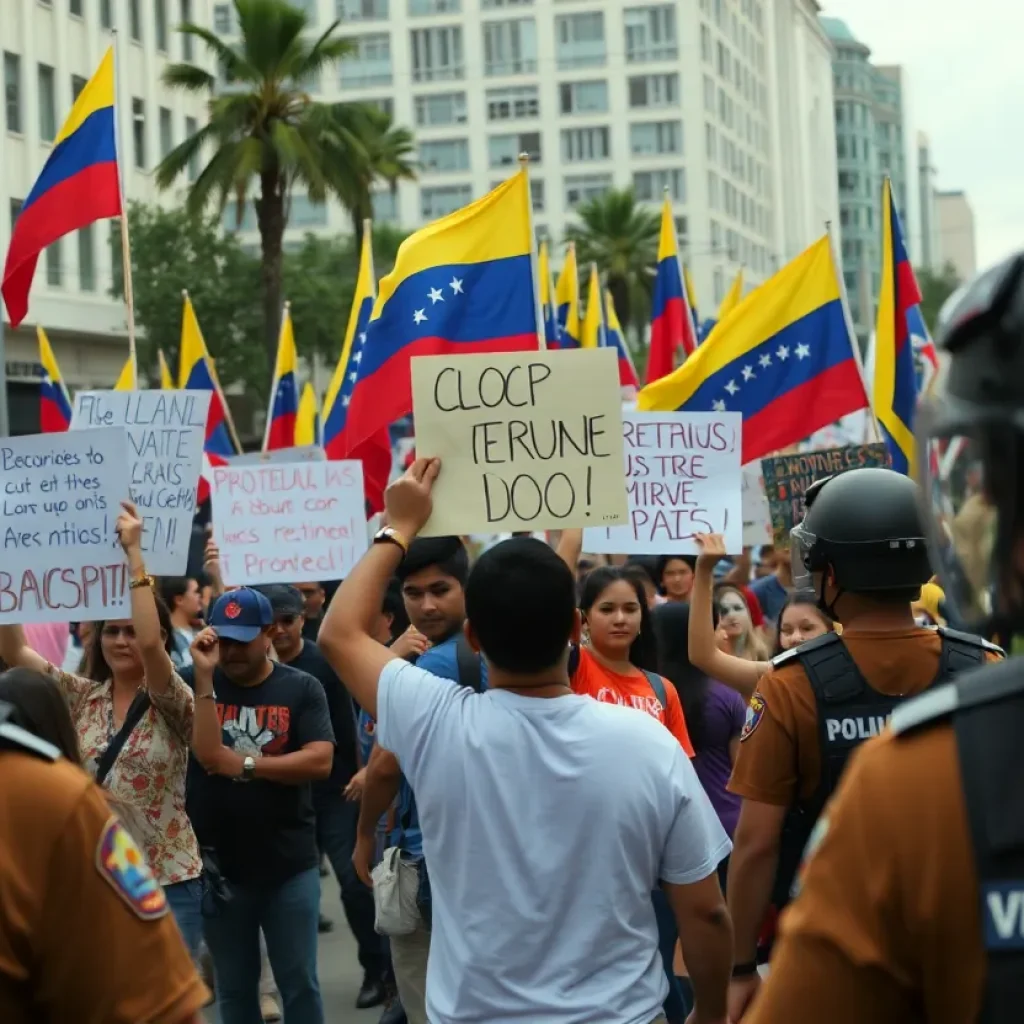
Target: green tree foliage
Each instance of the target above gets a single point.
(935, 289)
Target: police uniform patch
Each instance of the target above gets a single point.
(755, 712)
(123, 865)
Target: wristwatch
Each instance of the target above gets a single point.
(249, 769)
(389, 535)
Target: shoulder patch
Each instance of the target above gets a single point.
(784, 658)
(755, 712)
(123, 865)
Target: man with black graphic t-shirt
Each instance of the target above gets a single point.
(263, 734)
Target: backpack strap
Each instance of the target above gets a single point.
(830, 667)
(467, 663)
(658, 686)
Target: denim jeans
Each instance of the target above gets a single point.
(288, 915)
(185, 901)
(336, 820)
(677, 1004)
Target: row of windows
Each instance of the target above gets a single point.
(163, 13)
(53, 255)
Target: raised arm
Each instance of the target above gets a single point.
(346, 635)
(738, 673)
(570, 545)
(16, 653)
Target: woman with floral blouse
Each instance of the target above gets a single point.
(125, 659)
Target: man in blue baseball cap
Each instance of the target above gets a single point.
(267, 726)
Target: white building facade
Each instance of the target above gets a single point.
(655, 95)
(957, 233)
(50, 48)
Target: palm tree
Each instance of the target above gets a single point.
(621, 237)
(263, 127)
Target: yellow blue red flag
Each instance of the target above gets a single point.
(547, 296)
(567, 300)
(284, 390)
(784, 358)
(593, 321)
(672, 326)
(307, 420)
(126, 378)
(166, 380)
(54, 402)
(614, 337)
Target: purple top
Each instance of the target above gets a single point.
(724, 712)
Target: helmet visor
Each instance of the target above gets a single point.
(801, 541)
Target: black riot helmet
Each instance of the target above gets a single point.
(866, 525)
(970, 438)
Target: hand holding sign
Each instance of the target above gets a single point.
(129, 528)
(407, 501)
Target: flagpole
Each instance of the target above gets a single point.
(851, 333)
(126, 253)
(538, 312)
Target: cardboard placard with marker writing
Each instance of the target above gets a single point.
(787, 477)
(165, 432)
(60, 559)
(527, 440)
(682, 477)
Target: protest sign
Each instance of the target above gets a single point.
(61, 560)
(289, 522)
(787, 477)
(166, 430)
(682, 477)
(527, 440)
(757, 517)
(303, 453)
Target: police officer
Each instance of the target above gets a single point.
(912, 898)
(85, 933)
(862, 548)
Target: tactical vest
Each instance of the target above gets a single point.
(987, 713)
(849, 711)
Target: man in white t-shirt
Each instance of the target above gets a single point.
(547, 818)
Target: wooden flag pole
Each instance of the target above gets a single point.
(126, 252)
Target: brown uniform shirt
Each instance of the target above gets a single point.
(887, 926)
(85, 932)
(779, 760)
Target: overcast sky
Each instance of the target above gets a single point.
(965, 63)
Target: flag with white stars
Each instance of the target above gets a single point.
(462, 285)
(788, 364)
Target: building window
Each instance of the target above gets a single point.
(362, 10)
(385, 106)
(12, 91)
(656, 137)
(488, 5)
(510, 47)
(537, 195)
(710, 141)
(106, 14)
(705, 44)
(515, 102)
(15, 211)
(75, 8)
(371, 62)
(651, 33)
(191, 128)
(385, 207)
(54, 264)
(303, 213)
(47, 103)
(439, 202)
(582, 144)
(441, 108)
(139, 132)
(135, 20)
(714, 196)
(187, 50)
(504, 150)
(223, 19)
(437, 54)
(653, 91)
(445, 155)
(583, 188)
(309, 8)
(650, 185)
(77, 85)
(166, 132)
(579, 40)
(583, 97)
(435, 6)
(160, 17)
(86, 260)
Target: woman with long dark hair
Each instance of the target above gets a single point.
(40, 708)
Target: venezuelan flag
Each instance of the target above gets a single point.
(78, 185)
(567, 299)
(784, 358)
(284, 390)
(166, 380)
(895, 390)
(615, 338)
(461, 285)
(593, 321)
(691, 299)
(671, 320)
(732, 299)
(307, 419)
(375, 451)
(54, 403)
(195, 371)
(547, 296)
(126, 378)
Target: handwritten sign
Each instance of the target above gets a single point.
(757, 517)
(682, 477)
(290, 522)
(61, 560)
(303, 453)
(787, 477)
(165, 456)
(527, 440)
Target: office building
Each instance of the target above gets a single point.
(930, 247)
(50, 49)
(957, 239)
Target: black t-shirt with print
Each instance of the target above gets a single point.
(311, 659)
(263, 832)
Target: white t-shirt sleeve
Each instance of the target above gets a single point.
(696, 842)
(413, 707)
